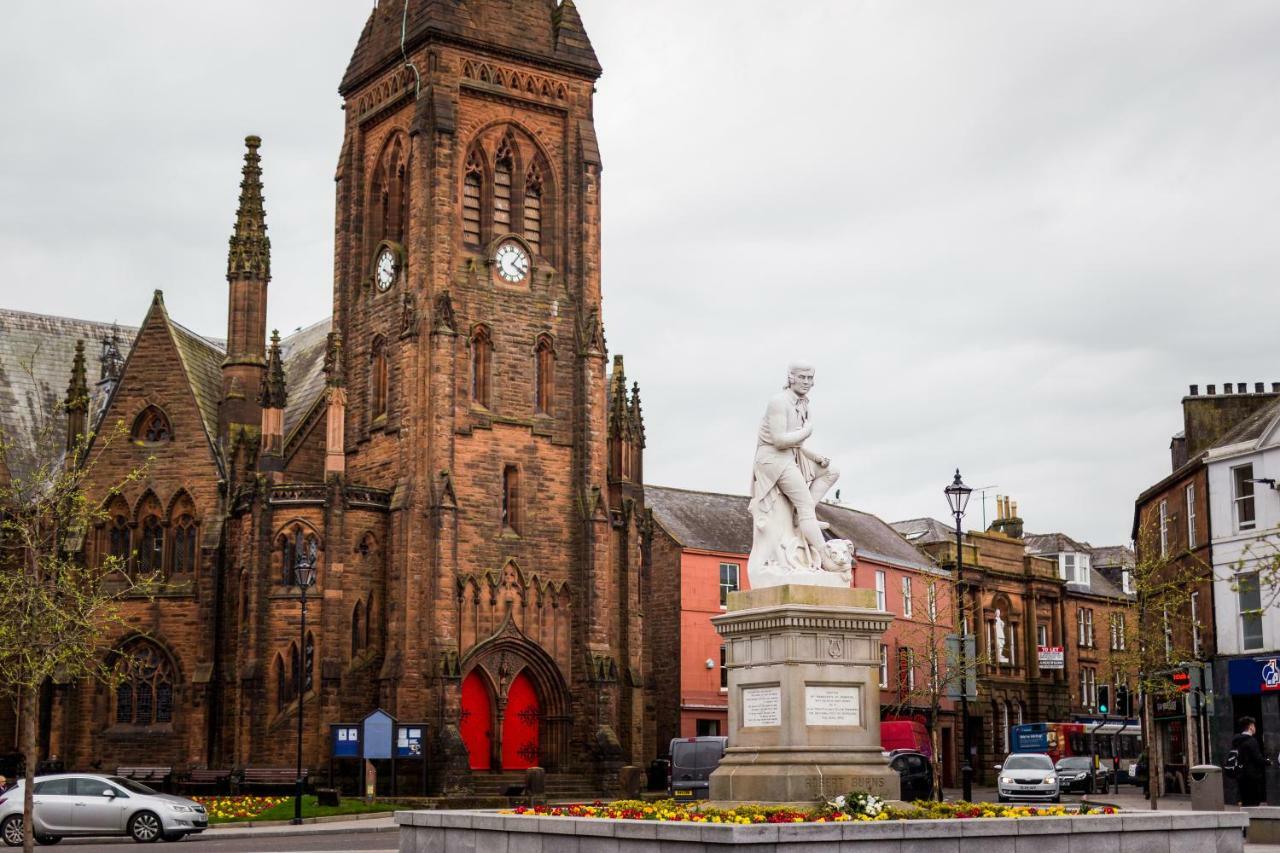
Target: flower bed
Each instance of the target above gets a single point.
(237, 808)
(851, 807)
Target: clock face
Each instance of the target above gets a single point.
(512, 262)
(386, 271)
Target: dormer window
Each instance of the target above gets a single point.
(1074, 568)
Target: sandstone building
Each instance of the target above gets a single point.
(452, 443)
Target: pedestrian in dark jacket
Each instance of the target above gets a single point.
(1253, 767)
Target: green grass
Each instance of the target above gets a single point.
(284, 811)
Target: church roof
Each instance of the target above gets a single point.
(36, 352)
(303, 354)
(548, 30)
(202, 360)
(715, 522)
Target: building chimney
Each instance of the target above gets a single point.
(1259, 387)
(1211, 389)
(1195, 390)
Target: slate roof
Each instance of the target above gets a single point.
(542, 28)
(303, 353)
(47, 345)
(924, 531)
(709, 521)
(1251, 428)
(1105, 562)
(1054, 543)
(202, 360)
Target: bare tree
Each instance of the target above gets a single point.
(57, 611)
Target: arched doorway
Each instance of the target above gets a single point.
(521, 721)
(476, 723)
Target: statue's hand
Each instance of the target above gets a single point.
(823, 462)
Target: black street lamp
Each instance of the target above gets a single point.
(958, 497)
(304, 572)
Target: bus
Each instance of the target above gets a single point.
(1107, 739)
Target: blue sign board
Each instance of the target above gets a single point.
(1032, 737)
(377, 731)
(409, 740)
(346, 740)
(1251, 676)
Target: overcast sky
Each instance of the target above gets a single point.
(1008, 234)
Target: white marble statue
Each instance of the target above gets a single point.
(1000, 658)
(787, 482)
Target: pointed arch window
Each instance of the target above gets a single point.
(378, 378)
(151, 551)
(544, 368)
(357, 629)
(533, 208)
(511, 499)
(471, 200)
(503, 166)
(287, 545)
(119, 539)
(308, 663)
(282, 684)
(144, 693)
(152, 427)
(295, 671)
(481, 365)
(368, 622)
(184, 544)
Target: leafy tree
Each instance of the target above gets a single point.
(57, 613)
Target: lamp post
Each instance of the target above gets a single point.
(304, 571)
(958, 497)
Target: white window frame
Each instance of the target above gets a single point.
(881, 597)
(1191, 515)
(1238, 498)
(1067, 568)
(1250, 612)
(906, 597)
(1080, 627)
(1088, 628)
(884, 666)
(1164, 528)
(1195, 623)
(726, 588)
(1168, 633)
(724, 669)
(1042, 634)
(1126, 581)
(931, 595)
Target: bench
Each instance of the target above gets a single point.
(218, 780)
(270, 777)
(155, 774)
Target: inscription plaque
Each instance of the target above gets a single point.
(761, 706)
(825, 705)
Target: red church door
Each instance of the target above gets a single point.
(476, 724)
(520, 721)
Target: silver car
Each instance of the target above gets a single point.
(80, 804)
(1028, 776)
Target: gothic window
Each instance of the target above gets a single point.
(544, 374)
(533, 208)
(481, 364)
(144, 693)
(471, 205)
(287, 544)
(151, 551)
(357, 629)
(308, 663)
(152, 427)
(389, 195)
(295, 670)
(368, 622)
(378, 379)
(511, 499)
(118, 539)
(184, 544)
(503, 164)
(282, 684)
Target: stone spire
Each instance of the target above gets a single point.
(250, 254)
(77, 402)
(619, 415)
(274, 394)
(636, 415)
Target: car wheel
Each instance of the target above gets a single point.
(11, 830)
(1088, 787)
(48, 839)
(145, 827)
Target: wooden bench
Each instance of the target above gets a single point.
(155, 774)
(218, 780)
(270, 777)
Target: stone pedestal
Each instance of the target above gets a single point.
(804, 696)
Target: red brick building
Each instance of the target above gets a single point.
(451, 442)
(699, 552)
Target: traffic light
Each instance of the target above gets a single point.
(1104, 698)
(1122, 701)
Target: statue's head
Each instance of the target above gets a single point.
(800, 377)
(842, 553)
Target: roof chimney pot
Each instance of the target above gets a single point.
(1211, 390)
(1195, 390)
(1259, 387)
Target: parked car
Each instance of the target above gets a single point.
(1028, 776)
(692, 760)
(915, 771)
(1077, 773)
(82, 804)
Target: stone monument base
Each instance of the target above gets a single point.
(804, 696)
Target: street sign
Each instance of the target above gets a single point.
(969, 669)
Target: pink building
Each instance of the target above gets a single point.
(699, 553)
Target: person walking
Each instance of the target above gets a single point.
(1253, 767)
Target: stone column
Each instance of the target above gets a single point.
(804, 696)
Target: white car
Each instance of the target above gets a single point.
(82, 804)
(1028, 776)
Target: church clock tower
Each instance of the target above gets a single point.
(467, 302)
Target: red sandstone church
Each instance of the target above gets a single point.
(451, 442)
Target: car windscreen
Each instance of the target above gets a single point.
(1081, 763)
(130, 785)
(1028, 762)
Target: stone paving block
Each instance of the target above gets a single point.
(1192, 840)
(455, 820)
(524, 842)
(1229, 840)
(491, 842)
(883, 845)
(1156, 841)
(881, 831)
(998, 826)
(460, 841)
(809, 832)
(1094, 842)
(1038, 844)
